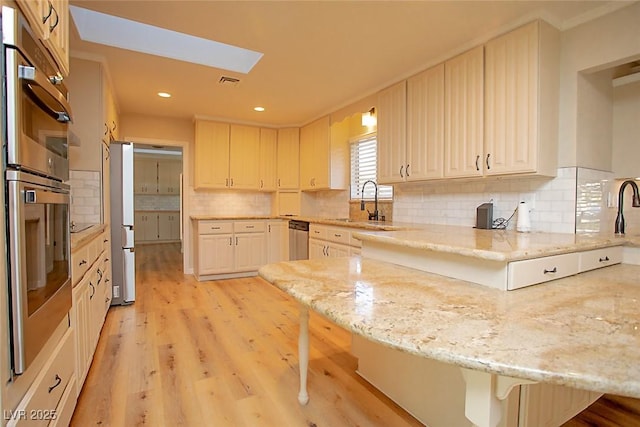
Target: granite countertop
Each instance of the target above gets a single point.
(581, 331)
(83, 237)
(363, 225)
(495, 245)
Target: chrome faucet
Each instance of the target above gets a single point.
(635, 203)
(372, 215)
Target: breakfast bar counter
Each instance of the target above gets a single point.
(580, 331)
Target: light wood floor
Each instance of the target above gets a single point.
(220, 353)
(224, 353)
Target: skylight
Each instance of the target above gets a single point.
(123, 33)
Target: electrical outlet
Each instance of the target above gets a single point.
(612, 201)
(116, 291)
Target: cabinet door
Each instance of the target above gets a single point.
(145, 175)
(464, 114)
(335, 250)
(250, 252)
(288, 159)
(391, 129)
(145, 226)
(211, 155)
(277, 241)
(81, 324)
(511, 101)
(169, 176)
(268, 159)
(314, 155)
(35, 11)
(215, 254)
(425, 125)
(244, 155)
(168, 226)
(317, 249)
(57, 34)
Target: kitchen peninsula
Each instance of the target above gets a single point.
(580, 331)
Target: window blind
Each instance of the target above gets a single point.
(363, 168)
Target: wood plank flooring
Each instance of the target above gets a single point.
(224, 353)
(220, 353)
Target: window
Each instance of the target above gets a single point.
(363, 168)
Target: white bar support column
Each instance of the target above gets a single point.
(303, 353)
(484, 392)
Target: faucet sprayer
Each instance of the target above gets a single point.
(635, 203)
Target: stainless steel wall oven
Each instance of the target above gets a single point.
(35, 124)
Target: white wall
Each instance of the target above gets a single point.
(611, 40)
(626, 130)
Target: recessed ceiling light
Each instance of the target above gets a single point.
(258, 108)
(164, 95)
(113, 31)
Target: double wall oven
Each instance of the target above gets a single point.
(35, 125)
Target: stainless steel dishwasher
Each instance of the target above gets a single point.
(298, 240)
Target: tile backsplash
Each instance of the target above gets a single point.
(229, 203)
(145, 202)
(552, 201)
(85, 196)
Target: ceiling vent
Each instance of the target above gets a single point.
(228, 81)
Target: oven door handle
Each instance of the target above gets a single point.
(32, 75)
(33, 195)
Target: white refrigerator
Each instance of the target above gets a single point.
(123, 254)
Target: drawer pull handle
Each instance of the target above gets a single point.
(555, 270)
(250, 226)
(215, 228)
(58, 382)
(338, 235)
(83, 262)
(605, 259)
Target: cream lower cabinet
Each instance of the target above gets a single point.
(169, 225)
(226, 249)
(91, 298)
(277, 235)
(331, 242)
(156, 226)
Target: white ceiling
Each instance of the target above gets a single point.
(318, 55)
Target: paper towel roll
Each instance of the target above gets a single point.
(524, 221)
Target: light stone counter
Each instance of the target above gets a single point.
(494, 245)
(581, 331)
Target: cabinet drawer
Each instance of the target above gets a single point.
(79, 264)
(540, 270)
(67, 405)
(248, 226)
(339, 235)
(42, 398)
(598, 258)
(215, 227)
(317, 232)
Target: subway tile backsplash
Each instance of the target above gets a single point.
(229, 203)
(552, 201)
(85, 196)
(145, 202)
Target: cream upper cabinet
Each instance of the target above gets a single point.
(425, 125)
(392, 133)
(268, 159)
(169, 171)
(288, 159)
(464, 154)
(244, 157)
(411, 129)
(145, 175)
(324, 156)
(49, 19)
(211, 155)
(521, 111)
